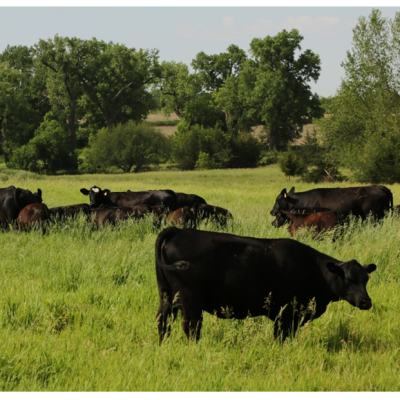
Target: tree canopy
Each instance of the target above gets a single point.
(362, 131)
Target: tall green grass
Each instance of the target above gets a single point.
(78, 306)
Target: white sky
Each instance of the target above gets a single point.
(179, 33)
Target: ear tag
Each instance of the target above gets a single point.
(105, 194)
(285, 195)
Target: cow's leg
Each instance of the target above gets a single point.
(192, 322)
(165, 316)
(286, 324)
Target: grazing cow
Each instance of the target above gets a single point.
(69, 211)
(12, 201)
(236, 277)
(33, 216)
(110, 215)
(106, 198)
(183, 217)
(207, 211)
(359, 201)
(183, 199)
(321, 221)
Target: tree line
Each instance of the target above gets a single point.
(75, 105)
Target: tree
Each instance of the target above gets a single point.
(115, 80)
(290, 163)
(178, 87)
(59, 58)
(47, 152)
(126, 146)
(362, 133)
(281, 90)
(270, 88)
(23, 102)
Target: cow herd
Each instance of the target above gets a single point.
(21, 209)
(224, 274)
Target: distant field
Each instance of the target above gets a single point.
(78, 306)
(170, 130)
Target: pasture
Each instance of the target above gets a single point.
(78, 306)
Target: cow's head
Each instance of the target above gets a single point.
(97, 197)
(284, 202)
(23, 197)
(280, 219)
(352, 283)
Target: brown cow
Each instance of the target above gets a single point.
(322, 221)
(182, 217)
(110, 215)
(33, 216)
(207, 211)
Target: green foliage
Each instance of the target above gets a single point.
(268, 157)
(47, 152)
(277, 89)
(226, 150)
(362, 131)
(127, 146)
(290, 163)
(204, 162)
(23, 102)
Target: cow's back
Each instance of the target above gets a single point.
(359, 201)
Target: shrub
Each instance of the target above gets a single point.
(205, 162)
(47, 152)
(126, 147)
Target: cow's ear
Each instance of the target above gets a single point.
(283, 193)
(39, 192)
(370, 268)
(106, 192)
(291, 190)
(334, 268)
(85, 191)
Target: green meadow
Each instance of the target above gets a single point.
(78, 306)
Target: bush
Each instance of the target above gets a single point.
(290, 163)
(226, 150)
(268, 157)
(47, 152)
(126, 147)
(205, 162)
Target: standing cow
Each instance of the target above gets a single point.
(12, 201)
(234, 276)
(360, 201)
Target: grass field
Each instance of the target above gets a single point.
(78, 307)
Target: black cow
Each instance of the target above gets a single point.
(360, 201)
(188, 200)
(69, 211)
(12, 201)
(106, 198)
(236, 277)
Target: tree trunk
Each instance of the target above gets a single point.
(273, 137)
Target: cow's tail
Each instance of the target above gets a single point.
(166, 235)
(390, 196)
